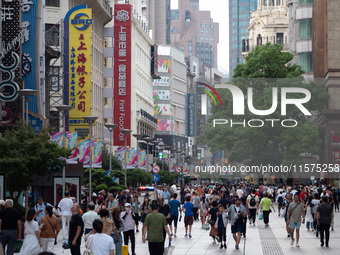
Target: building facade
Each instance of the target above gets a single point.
(269, 23)
(326, 56)
(239, 14)
(300, 34)
(194, 32)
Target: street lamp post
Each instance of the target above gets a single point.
(64, 109)
(126, 132)
(110, 127)
(91, 120)
(147, 140)
(155, 143)
(27, 95)
(138, 137)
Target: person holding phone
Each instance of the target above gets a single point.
(129, 226)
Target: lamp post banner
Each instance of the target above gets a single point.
(122, 73)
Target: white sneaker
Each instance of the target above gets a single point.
(292, 242)
(175, 235)
(172, 234)
(214, 242)
(297, 245)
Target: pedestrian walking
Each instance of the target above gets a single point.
(154, 224)
(65, 206)
(309, 215)
(135, 208)
(145, 208)
(129, 228)
(265, 205)
(10, 222)
(221, 225)
(253, 205)
(203, 207)
(324, 218)
(32, 244)
(279, 200)
(285, 206)
(76, 229)
(195, 201)
(49, 230)
(236, 212)
(40, 209)
(119, 223)
(89, 217)
(212, 219)
(99, 242)
(188, 216)
(175, 205)
(295, 212)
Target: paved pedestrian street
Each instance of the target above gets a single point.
(259, 240)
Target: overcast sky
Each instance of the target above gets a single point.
(219, 13)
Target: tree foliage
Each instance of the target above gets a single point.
(266, 145)
(116, 164)
(101, 181)
(137, 176)
(25, 155)
(168, 177)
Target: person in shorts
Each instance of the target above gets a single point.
(236, 213)
(295, 211)
(175, 205)
(189, 216)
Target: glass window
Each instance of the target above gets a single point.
(175, 30)
(174, 14)
(279, 38)
(305, 29)
(54, 78)
(306, 62)
(52, 34)
(190, 48)
(54, 3)
(305, 2)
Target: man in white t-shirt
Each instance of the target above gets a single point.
(239, 192)
(100, 243)
(65, 211)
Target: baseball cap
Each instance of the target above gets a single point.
(127, 204)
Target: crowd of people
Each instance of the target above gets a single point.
(110, 220)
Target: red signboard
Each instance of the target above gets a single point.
(122, 72)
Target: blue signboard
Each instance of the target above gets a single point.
(155, 177)
(191, 114)
(33, 60)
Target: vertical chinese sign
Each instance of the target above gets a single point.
(122, 72)
(77, 68)
(191, 115)
(33, 60)
(10, 41)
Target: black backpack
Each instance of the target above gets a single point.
(280, 200)
(252, 201)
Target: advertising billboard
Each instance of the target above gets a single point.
(77, 68)
(122, 72)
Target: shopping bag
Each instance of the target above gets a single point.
(206, 226)
(283, 212)
(18, 245)
(169, 250)
(261, 216)
(125, 250)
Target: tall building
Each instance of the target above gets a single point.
(169, 95)
(300, 34)
(194, 32)
(326, 58)
(269, 23)
(239, 15)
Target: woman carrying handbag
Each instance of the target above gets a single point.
(49, 230)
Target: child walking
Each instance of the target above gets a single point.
(221, 224)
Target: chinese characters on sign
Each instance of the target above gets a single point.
(191, 115)
(78, 28)
(122, 72)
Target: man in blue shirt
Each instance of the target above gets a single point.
(166, 195)
(174, 206)
(189, 216)
(40, 209)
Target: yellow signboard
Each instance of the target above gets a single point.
(78, 59)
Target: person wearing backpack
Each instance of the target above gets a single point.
(253, 205)
(40, 209)
(280, 200)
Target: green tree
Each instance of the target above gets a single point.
(26, 155)
(165, 165)
(167, 177)
(101, 181)
(266, 145)
(138, 176)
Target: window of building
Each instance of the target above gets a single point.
(305, 29)
(54, 3)
(54, 78)
(52, 34)
(305, 2)
(279, 38)
(306, 62)
(174, 14)
(190, 48)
